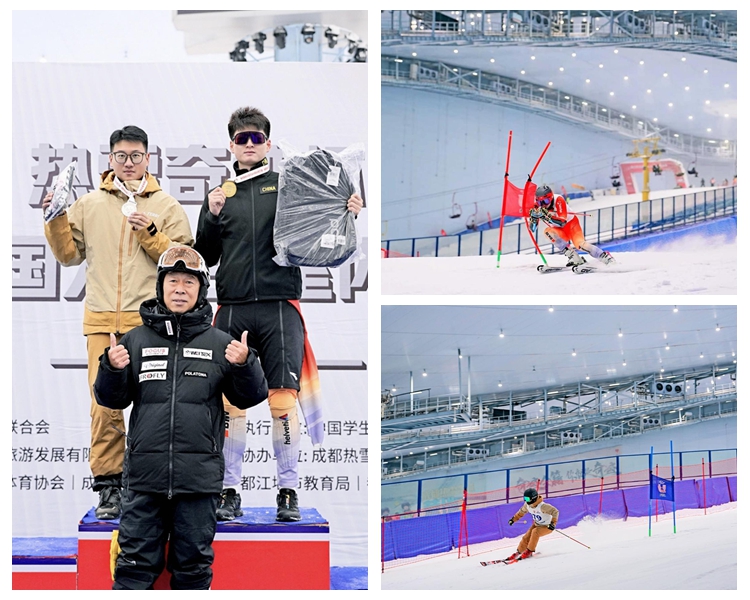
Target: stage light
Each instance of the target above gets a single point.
(308, 33)
(279, 35)
(259, 39)
(333, 36)
(239, 54)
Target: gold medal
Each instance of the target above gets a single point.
(229, 187)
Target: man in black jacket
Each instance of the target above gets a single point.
(235, 229)
(174, 370)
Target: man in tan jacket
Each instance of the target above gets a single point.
(545, 520)
(120, 230)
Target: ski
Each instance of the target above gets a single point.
(495, 562)
(548, 269)
(585, 268)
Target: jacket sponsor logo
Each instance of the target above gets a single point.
(267, 189)
(152, 365)
(152, 376)
(195, 374)
(155, 352)
(198, 353)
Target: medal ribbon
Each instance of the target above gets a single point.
(131, 196)
(264, 168)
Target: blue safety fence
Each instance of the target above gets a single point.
(600, 226)
(408, 499)
(435, 534)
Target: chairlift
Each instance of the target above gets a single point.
(471, 222)
(455, 208)
(615, 170)
(615, 176)
(656, 169)
(692, 169)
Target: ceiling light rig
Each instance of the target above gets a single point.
(301, 42)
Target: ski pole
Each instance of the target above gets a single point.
(570, 538)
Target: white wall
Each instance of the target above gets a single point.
(434, 145)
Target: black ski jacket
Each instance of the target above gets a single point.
(175, 381)
(240, 240)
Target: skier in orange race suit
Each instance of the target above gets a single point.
(563, 229)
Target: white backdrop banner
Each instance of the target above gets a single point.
(63, 113)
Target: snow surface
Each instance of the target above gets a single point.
(688, 266)
(702, 555)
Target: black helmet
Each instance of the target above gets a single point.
(530, 496)
(185, 260)
(544, 195)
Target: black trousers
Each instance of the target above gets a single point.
(148, 521)
(274, 329)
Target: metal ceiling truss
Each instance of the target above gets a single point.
(602, 410)
(526, 96)
(707, 33)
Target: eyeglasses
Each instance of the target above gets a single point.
(122, 157)
(256, 137)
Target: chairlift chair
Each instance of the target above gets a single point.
(455, 208)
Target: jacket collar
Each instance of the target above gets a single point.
(108, 183)
(167, 324)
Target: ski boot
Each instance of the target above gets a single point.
(526, 554)
(573, 257)
(513, 557)
(606, 258)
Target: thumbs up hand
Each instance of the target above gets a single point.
(118, 354)
(237, 351)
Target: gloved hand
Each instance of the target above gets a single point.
(551, 526)
(510, 522)
(538, 212)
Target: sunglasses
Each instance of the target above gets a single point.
(256, 137)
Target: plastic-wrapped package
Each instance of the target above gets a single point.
(61, 193)
(313, 227)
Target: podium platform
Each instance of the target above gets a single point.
(251, 553)
(44, 564)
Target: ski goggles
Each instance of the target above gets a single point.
(256, 137)
(189, 257)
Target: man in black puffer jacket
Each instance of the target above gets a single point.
(174, 370)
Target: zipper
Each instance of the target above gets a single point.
(252, 206)
(171, 414)
(118, 307)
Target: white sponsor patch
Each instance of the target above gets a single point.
(198, 353)
(155, 352)
(152, 376)
(195, 374)
(153, 365)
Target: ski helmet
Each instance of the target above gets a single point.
(530, 496)
(185, 260)
(544, 195)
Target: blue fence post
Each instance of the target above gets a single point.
(419, 496)
(437, 246)
(507, 486)
(583, 476)
(617, 471)
(413, 246)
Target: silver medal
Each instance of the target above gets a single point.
(129, 208)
